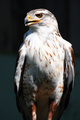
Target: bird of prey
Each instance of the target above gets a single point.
(45, 69)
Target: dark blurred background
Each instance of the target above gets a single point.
(12, 13)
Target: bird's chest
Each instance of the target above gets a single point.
(43, 69)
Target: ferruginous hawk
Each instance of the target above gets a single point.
(44, 74)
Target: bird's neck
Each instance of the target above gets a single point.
(44, 33)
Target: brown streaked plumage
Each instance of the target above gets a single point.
(45, 69)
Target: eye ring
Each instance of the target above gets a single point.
(39, 15)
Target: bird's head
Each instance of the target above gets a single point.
(40, 17)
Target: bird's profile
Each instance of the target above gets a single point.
(45, 70)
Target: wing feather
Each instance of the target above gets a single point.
(69, 74)
(20, 64)
(69, 67)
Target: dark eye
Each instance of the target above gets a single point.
(40, 15)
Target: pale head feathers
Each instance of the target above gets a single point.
(47, 20)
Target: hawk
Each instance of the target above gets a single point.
(45, 69)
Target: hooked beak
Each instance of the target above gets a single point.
(28, 21)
